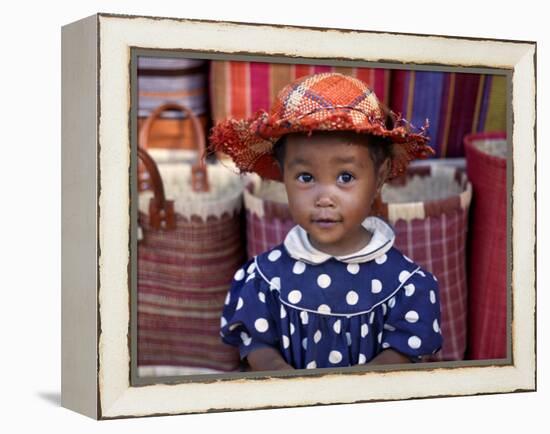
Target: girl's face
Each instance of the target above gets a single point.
(331, 182)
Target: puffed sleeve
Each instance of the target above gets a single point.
(247, 320)
(412, 324)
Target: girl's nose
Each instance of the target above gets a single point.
(324, 200)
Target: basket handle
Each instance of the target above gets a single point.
(199, 178)
(161, 211)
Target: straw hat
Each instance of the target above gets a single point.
(318, 102)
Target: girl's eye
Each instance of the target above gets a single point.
(345, 178)
(304, 177)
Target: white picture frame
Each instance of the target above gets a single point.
(96, 254)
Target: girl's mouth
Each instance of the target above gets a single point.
(325, 223)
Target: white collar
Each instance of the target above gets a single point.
(299, 247)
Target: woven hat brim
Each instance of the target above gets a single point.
(249, 142)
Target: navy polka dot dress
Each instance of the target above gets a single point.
(332, 314)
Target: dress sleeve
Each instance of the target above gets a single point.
(412, 324)
(248, 319)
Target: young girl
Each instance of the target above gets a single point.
(335, 292)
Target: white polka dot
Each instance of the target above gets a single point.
(376, 286)
(275, 283)
(381, 259)
(352, 298)
(436, 326)
(304, 343)
(421, 273)
(304, 317)
(379, 338)
(404, 275)
(250, 277)
(391, 303)
(384, 309)
(299, 267)
(283, 312)
(389, 327)
(412, 316)
(261, 297)
(407, 258)
(337, 326)
(324, 308)
(362, 359)
(245, 338)
(414, 342)
(371, 318)
(240, 303)
(364, 330)
(323, 281)
(223, 321)
(221, 334)
(432, 297)
(435, 278)
(311, 365)
(317, 336)
(261, 325)
(335, 357)
(286, 342)
(353, 268)
(348, 338)
(239, 275)
(385, 345)
(409, 289)
(251, 268)
(292, 329)
(227, 298)
(274, 255)
(234, 326)
(294, 296)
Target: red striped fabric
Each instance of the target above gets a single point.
(239, 89)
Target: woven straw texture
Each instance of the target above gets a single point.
(184, 273)
(487, 245)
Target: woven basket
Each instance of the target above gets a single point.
(191, 245)
(428, 208)
(486, 158)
